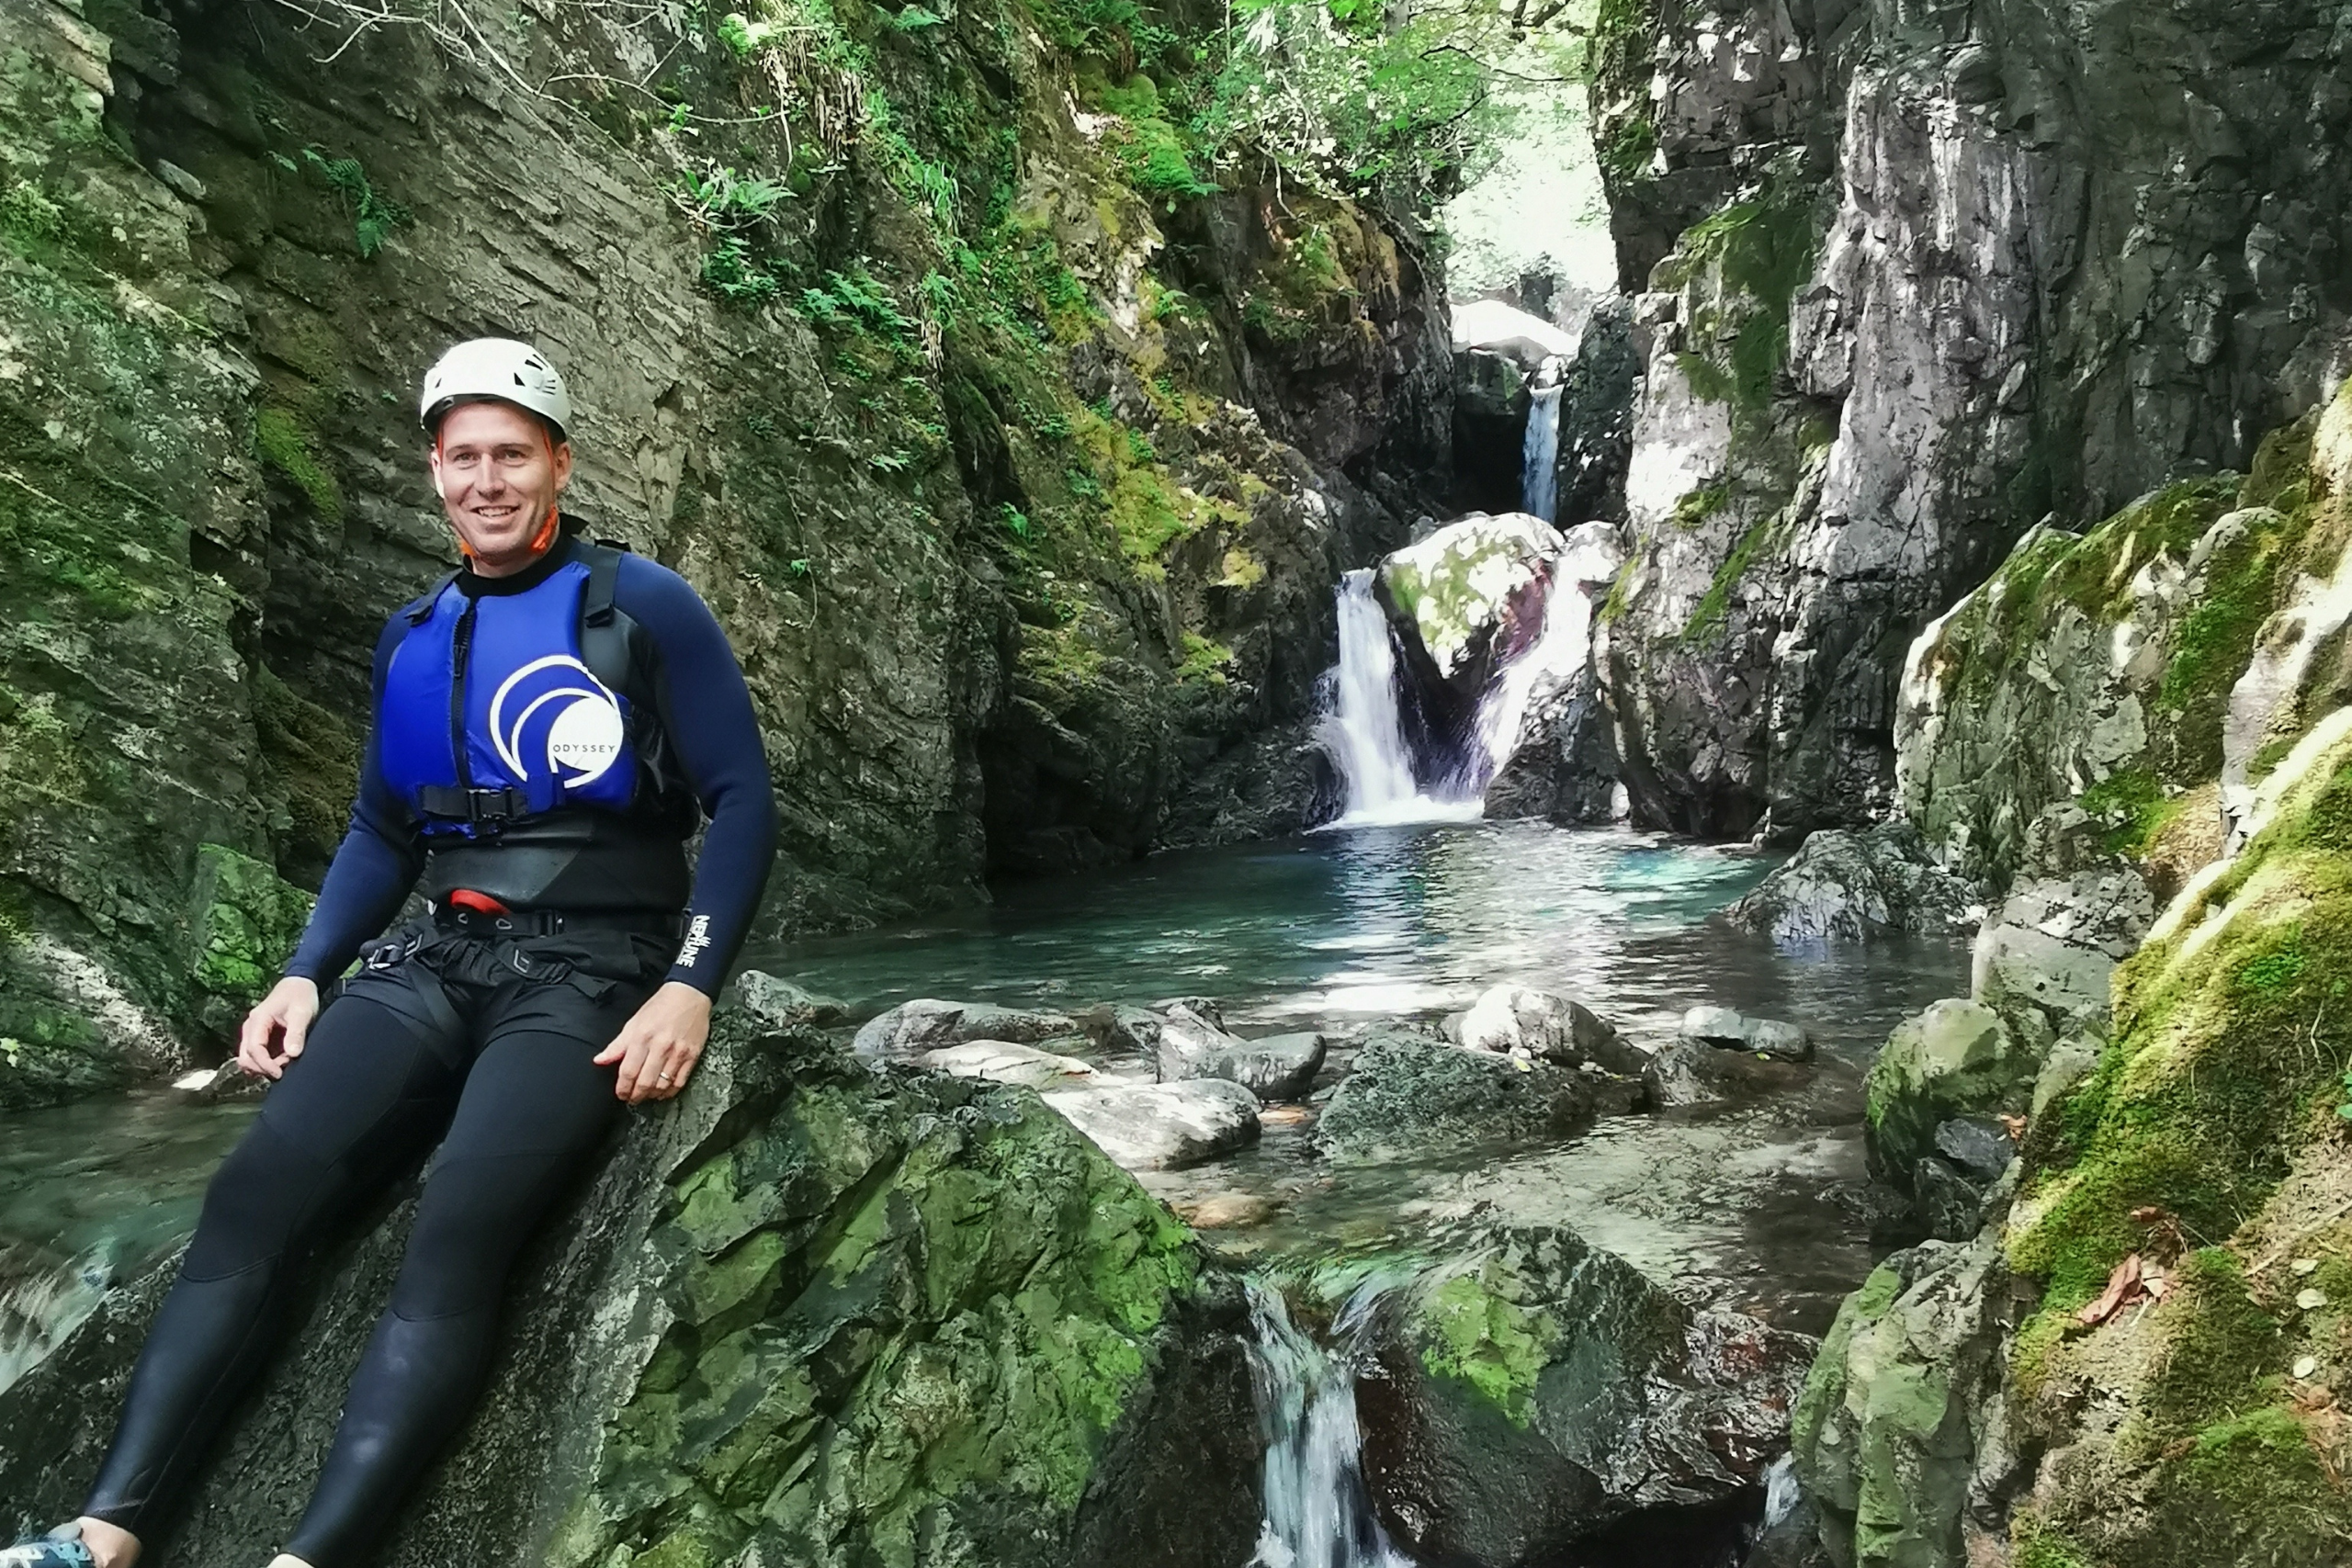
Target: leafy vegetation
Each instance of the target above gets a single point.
(373, 218)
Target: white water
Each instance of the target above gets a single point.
(1318, 1514)
(1539, 455)
(1363, 730)
(1567, 623)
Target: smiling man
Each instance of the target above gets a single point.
(551, 723)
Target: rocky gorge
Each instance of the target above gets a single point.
(1696, 926)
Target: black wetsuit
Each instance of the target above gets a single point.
(460, 1031)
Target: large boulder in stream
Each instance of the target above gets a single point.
(1518, 1021)
(1410, 1093)
(1544, 1389)
(1163, 1126)
(1847, 886)
(1467, 598)
(810, 1313)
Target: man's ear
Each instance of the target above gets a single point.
(433, 460)
(563, 463)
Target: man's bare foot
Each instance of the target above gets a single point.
(110, 1546)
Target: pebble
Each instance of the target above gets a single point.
(2307, 1366)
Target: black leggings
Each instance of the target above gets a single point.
(463, 1029)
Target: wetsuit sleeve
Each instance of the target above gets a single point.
(706, 711)
(376, 863)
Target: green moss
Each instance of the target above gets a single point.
(1204, 662)
(1715, 606)
(2135, 807)
(1467, 1331)
(1760, 252)
(247, 924)
(2214, 642)
(286, 444)
(1631, 149)
(1701, 504)
(2251, 1489)
(2219, 1346)
(2037, 1547)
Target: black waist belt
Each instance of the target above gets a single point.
(473, 805)
(553, 922)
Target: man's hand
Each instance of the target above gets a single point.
(657, 1048)
(275, 1028)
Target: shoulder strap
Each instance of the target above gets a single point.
(604, 559)
(420, 609)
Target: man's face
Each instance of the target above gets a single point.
(499, 476)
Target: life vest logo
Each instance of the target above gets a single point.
(576, 718)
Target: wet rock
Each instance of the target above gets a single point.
(1002, 1061)
(1228, 1212)
(1190, 1039)
(760, 1281)
(1690, 1072)
(784, 1004)
(1516, 1020)
(924, 1024)
(1979, 1146)
(1900, 1399)
(1847, 885)
(1162, 1126)
(1946, 1202)
(1408, 1093)
(1547, 1389)
(1725, 1029)
(1560, 762)
(1278, 1067)
(1956, 1059)
(1467, 598)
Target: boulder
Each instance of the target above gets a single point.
(761, 1281)
(1547, 1390)
(1847, 886)
(1409, 1092)
(2045, 961)
(1690, 1072)
(783, 1003)
(1162, 1126)
(1002, 1061)
(1280, 1066)
(1956, 1059)
(1725, 1029)
(1190, 1040)
(1467, 598)
(911, 1028)
(1978, 1146)
(1517, 1021)
(1902, 1399)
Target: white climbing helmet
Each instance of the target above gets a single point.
(495, 367)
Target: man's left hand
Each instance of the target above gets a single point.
(657, 1048)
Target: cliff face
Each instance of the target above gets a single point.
(1915, 277)
(2138, 1358)
(1005, 444)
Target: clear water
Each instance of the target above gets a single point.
(1539, 457)
(1745, 1206)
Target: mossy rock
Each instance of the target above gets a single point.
(1956, 1059)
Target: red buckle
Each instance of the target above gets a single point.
(480, 902)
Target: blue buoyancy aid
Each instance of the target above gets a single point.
(491, 714)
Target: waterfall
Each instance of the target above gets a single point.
(1361, 728)
(1318, 1512)
(1567, 622)
(1539, 454)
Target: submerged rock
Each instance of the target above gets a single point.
(1000, 1061)
(1547, 1389)
(764, 1285)
(1853, 885)
(1162, 1126)
(1408, 1093)
(925, 1024)
(1686, 1071)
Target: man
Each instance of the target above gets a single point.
(550, 723)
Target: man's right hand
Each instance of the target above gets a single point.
(275, 1029)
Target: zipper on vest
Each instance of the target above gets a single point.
(461, 646)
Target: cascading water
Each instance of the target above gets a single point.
(1362, 728)
(1318, 1513)
(1567, 622)
(1539, 453)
